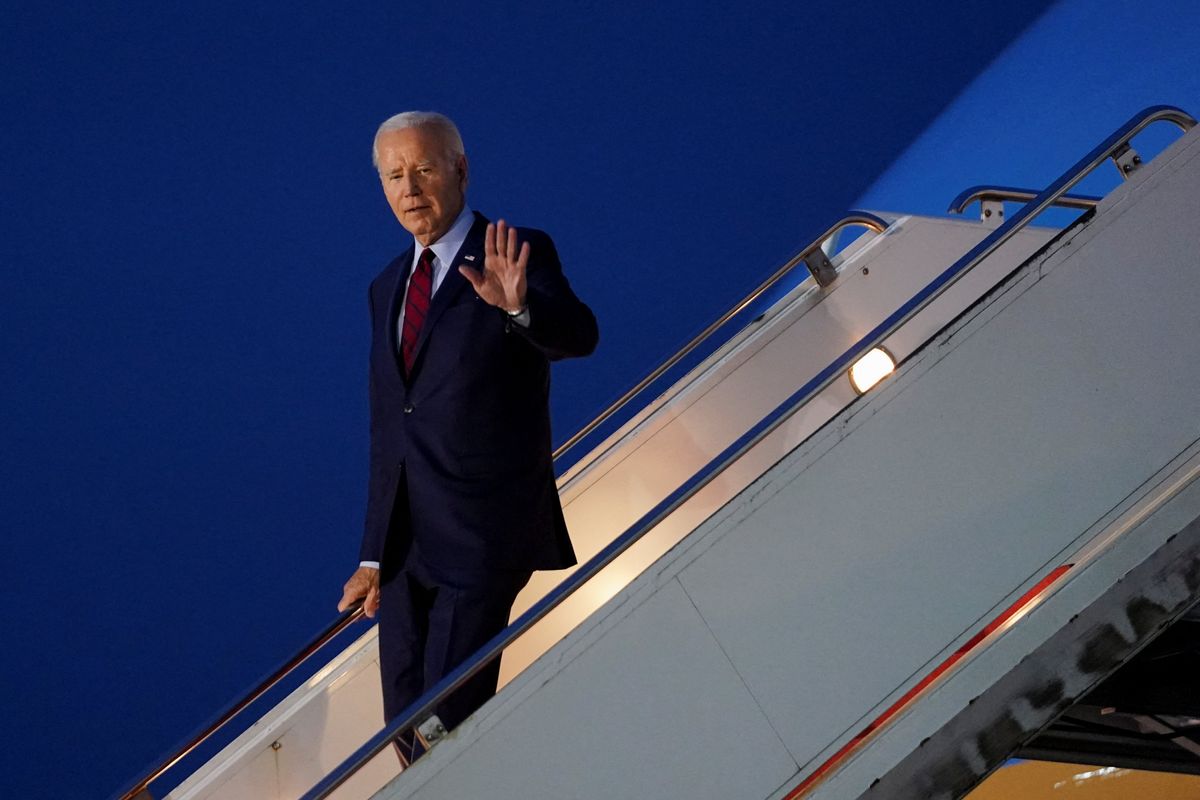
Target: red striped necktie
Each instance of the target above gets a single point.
(416, 306)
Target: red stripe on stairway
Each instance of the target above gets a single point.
(859, 739)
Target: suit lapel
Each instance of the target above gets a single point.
(470, 254)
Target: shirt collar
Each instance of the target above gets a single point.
(451, 241)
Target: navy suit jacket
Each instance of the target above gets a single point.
(469, 430)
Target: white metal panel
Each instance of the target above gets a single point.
(967, 479)
(626, 476)
(1165, 243)
(720, 744)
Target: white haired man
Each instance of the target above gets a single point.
(462, 504)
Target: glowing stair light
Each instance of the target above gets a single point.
(869, 370)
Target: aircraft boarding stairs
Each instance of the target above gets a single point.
(837, 595)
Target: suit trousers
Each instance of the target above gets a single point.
(430, 621)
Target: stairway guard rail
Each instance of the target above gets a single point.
(854, 219)
(1116, 147)
(140, 790)
(988, 192)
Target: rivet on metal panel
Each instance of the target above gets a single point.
(275, 745)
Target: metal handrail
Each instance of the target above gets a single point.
(854, 218)
(986, 192)
(345, 620)
(423, 706)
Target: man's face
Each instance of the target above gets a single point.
(424, 186)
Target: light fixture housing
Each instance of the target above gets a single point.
(869, 370)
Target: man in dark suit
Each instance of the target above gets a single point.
(462, 505)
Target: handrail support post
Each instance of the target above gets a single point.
(431, 731)
(820, 266)
(1126, 160)
(991, 211)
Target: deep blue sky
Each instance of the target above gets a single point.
(1084, 68)
(190, 220)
